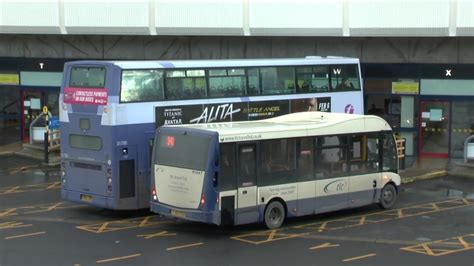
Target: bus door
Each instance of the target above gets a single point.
(247, 208)
(127, 165)
(332, 182)
(364, 163)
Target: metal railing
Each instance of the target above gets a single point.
(401, 151)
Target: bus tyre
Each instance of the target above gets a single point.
(388, 196)
(274, 215)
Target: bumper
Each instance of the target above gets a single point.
(209, 217)
(95, 200)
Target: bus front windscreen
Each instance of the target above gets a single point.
(182, 150)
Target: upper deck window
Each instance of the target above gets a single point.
(186, 84)
(277, 80)
(312, 79)
(345, 78)
(87, 77)
(141, 85)
(226, 82)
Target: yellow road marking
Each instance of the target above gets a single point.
(32, 187)
(8, 212)
(39, 208)
(162, 233)
(8, 225)
(185, 246)
(268, 235)
(389, 215)
(47, 208)
(359, 257)
(119, 258)
(443, 247)
(102, 227)
(12, 190)
(22, 168)
(25, 235)
(117, 225)
(353, 221)
(144, 221)
(54, 185)
(325, 245)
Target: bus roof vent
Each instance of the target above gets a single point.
(313, 57)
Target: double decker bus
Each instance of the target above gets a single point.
(109, 111)
(298, 164)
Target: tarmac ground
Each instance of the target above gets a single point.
(430, 224)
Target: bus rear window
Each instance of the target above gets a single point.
(85, 142)
(87, 77)
(184, 151)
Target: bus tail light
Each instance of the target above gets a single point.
(203, 200)
(109, 180)
(153, 193)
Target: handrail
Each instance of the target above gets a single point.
(33, 123)
(54, 143)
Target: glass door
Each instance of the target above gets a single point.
(434, 128)
(31, 106)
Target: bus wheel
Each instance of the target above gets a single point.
(274, 215)
(388, 196)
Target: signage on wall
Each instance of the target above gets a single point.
(9, 79)
(405, 88)
(226, 112)
(92, 96)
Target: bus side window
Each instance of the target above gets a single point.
(332, 154)
(306, 159)
(253, 79)
(226, 179)
(277, 161)
(389, 152)
(247, 165)
(363, 154)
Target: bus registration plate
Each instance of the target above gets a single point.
(178, 213)
(86, 198)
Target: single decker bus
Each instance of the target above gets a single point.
(109, 111)
(235, 173)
